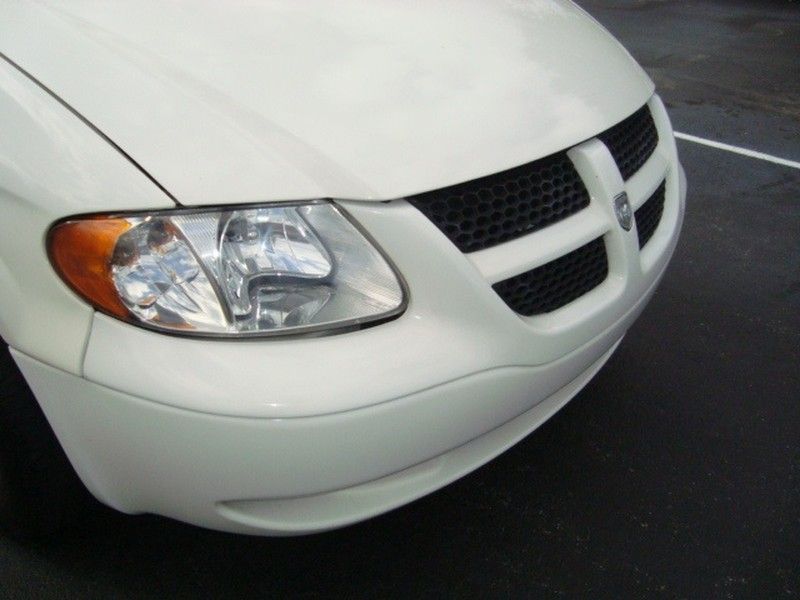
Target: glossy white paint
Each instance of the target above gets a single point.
(285, 476)
(349, 99)
(282, 100)
(51, 165)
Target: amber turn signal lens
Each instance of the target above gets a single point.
(81, 252)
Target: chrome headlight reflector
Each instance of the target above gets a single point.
(244, 271)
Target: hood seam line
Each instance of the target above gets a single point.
(91, 125)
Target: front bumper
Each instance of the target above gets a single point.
(302, 475)
(307, 434)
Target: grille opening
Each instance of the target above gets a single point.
(491, 210)
(632, 141)
(557, 283)
(648, 215)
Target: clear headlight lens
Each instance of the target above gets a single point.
(245, 271)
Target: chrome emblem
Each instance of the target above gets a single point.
(622, 208)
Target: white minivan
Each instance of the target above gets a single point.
(277, 267)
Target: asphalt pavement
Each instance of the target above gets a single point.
(675, 473)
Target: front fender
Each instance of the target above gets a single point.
(52, 165)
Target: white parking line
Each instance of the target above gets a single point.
(737, 150)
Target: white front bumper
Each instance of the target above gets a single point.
(286, 476)
(286, 436)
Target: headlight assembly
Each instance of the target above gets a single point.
(245, 271)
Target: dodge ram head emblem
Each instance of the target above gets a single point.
(622, 208)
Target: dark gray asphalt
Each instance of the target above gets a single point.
(676, 473)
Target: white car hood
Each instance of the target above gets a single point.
(363, 99)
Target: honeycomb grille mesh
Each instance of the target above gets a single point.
(557, 283)
(648, 215)
(632, 141)
(491, 210)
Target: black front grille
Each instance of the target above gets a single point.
(632, 142)
(500, 207)
(648, 215)
(557, 283)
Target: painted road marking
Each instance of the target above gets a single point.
(738, 150)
